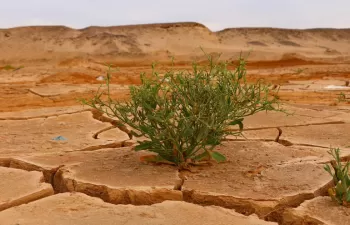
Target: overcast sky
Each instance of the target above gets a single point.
(215, 14)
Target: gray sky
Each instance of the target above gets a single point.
(215, 14)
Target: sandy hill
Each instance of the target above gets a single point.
(158, 41)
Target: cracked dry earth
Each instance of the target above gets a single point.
(93, 176)
(273, 175)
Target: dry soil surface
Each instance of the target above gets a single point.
(78, 166)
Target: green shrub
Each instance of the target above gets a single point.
(341, 191)
(185, 114)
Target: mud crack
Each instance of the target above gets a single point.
(44, 116)
(97, 115)
(179, 183)
(95, 136)
(299, 125)
(40, 95)
(100, 147)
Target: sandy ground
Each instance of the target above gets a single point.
(34, 58)
(44, 70)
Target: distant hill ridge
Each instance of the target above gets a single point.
(164, 39)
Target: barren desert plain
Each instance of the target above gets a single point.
(89, 174)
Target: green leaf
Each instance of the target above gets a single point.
(156, 118)
(144, 145)
(218, 157)
(238, 122)
(213, 140)
(328, 169)
(347, 196)
(145, 129)
(133, 133)
(339, 189)
(202, 133)
(347, 180)
(201, 156)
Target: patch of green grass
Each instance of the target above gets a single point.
(184, 115)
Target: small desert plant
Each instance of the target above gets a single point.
(10, 67)
(341, 97)
(184, 114)
(341, 191)
(299, 70)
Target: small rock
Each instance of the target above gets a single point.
(59, 138)
(100, 78)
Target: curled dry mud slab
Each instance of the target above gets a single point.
(19, 186)
(318, 211)
(79, 209)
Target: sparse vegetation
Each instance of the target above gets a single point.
(7, 67)
(341, 97)
(10, 67)
(185, 114)
(340, 173)
(299, 70)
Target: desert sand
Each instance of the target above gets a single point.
(90, 175)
